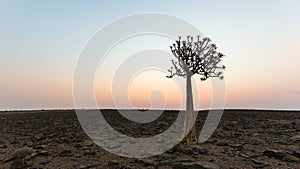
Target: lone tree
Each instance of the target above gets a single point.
(198, 56)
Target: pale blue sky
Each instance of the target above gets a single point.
(41, 40)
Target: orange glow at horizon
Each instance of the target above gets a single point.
(153, 90)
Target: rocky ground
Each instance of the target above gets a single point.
(243, 139)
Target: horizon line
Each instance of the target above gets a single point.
(146, 109)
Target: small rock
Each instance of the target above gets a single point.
(187, 150)
(113, 164)
(163, 157)
(296, 154)
(29, 143)
(238, 147)
(77, 155)
(65, 153)
(39, 147)
(38, 136)
(174, 149)
(2, 142)
(19, 154)
(145, 162)
(3, 146)
(19, 163)
(195, 165)
(89, 152)
(62, 140)
(39, 152)
(2, 152)
(14, 142)
(88, 143)
(291, 158)
(222, 144)
(295, 138)
(274, 153)
(259, 163)
(78, 145)
(232, 124)
(45, 162)
(162, 124)
(194, 149)
(245, 155)
(211, 141)
(42, 152)
(256, 161)
(89, 166)
(297, 125)
(171, 162)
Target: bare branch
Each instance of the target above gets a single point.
(196, 57)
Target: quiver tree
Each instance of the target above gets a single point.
(194, 56)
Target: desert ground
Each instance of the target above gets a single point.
(243, 139)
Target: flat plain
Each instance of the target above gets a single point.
(243, 139)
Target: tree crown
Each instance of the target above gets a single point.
(198, 56)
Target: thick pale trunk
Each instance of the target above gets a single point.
(189, 127)
(189, 94)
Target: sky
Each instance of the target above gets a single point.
(40, 42)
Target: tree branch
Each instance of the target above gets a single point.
(196, 57)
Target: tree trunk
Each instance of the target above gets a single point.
(191, 134)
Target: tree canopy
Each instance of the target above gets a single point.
(198, 56)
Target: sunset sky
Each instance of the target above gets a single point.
(40, 42)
